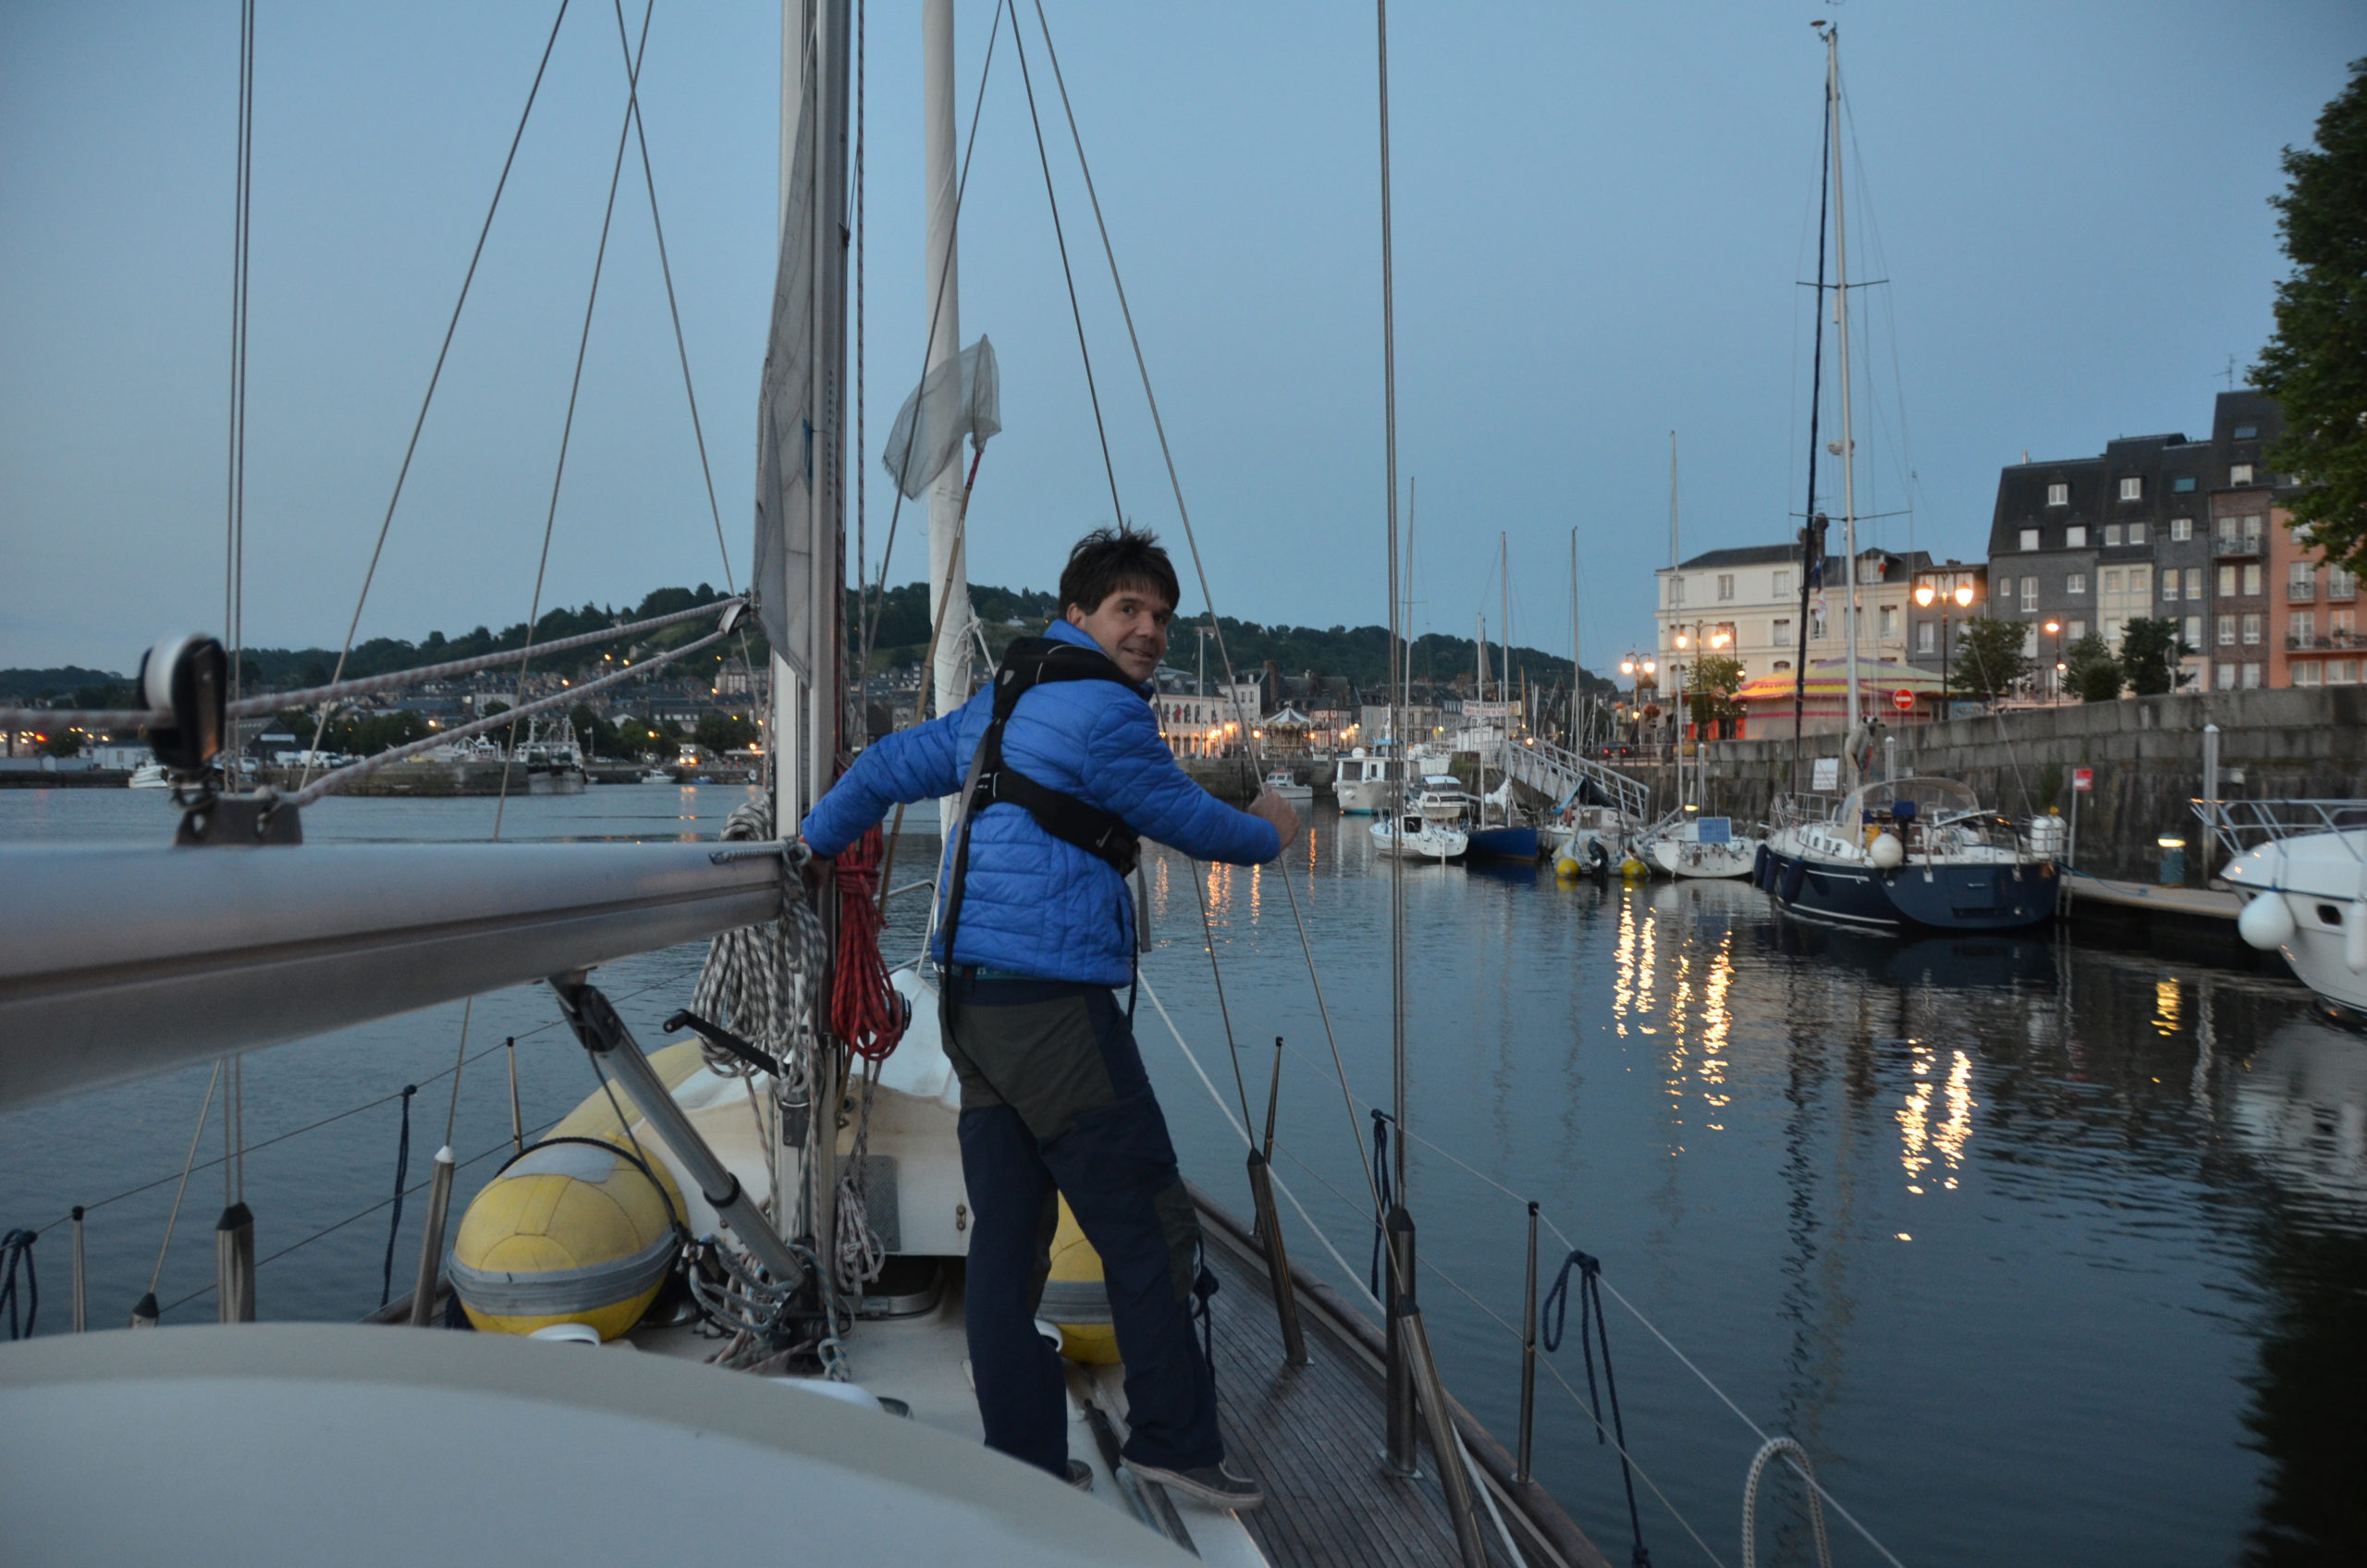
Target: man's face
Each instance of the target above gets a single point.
(1131, 627)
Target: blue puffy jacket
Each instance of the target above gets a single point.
(1036, 905)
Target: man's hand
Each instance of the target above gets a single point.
(1270, 807)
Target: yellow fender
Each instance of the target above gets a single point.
(1076, 1301)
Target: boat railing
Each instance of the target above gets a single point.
(1797, 809)
(2240, 827)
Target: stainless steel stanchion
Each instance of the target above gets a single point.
(1270, 1226)
(82, 1296)
(431, 1244)
(234, 1265)
(1445, 1447)
(1527, 1358)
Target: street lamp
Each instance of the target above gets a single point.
(2054, 629)
(1924, 594)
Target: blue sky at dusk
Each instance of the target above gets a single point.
(1602, 213)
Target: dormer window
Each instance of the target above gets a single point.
(2133, 488)
(2246, 433)
(2239, 473)
(2030, 538)
(2112, 534)
(2184, 484)
(2075, 537)
(2058, 495)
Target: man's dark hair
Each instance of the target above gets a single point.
(1111, 559)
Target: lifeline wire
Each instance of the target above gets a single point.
(434, 376)
(205, 1107)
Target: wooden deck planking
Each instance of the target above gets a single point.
(1314, 1435)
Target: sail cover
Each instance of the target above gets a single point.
(786, 457)
(963, 397)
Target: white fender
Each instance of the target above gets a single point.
(2354, 937)
(2266, 923)
(1886, 852)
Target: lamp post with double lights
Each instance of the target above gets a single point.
(1641, 671)
(1717, 639)
(1924, 593)
(2054, 629)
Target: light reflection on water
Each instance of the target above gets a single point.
(2044, 1251)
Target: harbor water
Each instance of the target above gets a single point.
(2044, 1251)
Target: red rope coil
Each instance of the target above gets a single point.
(866, 1011)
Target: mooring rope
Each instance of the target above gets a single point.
(402, 1172)
(1798, 1457)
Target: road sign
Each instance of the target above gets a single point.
(1903, 700)
(1827, 774)
(2083, 780)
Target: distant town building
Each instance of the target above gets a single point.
(1750, 597)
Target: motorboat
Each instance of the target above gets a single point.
(150, 776)
(1283, 784)
(2301, 866)
(1412, 836)
(1693, 845)
(1904, 853)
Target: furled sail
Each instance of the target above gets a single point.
(786, 468)
(962, 397)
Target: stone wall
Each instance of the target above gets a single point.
(2146, 753)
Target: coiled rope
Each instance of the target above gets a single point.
(867, 1013)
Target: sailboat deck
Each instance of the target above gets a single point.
(1314, 1435)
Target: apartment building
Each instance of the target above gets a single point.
(1958, 592)
(1751, 595)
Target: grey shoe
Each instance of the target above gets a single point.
(1080, 1475)
(1210, 1484)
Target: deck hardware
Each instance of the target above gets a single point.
(1400, 1458)
(1528, 1360)
(517, 1122)
(431, 1242)
(234, 1265)
(1445, 1446)
(604, 1034)
(81, 1299)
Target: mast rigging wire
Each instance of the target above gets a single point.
(205, 1109)
(411, 448)
(234, 584)
(1199, 568)
(1397, 795)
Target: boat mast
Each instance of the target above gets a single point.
(947, 566)
(1848, 445)
(1578, 742)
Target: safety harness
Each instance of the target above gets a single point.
(1028, 663)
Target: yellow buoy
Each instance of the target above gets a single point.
(1631, 868)
(575, 1230)
(1076, 1299)
(1565, 866)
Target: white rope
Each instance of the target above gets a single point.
(1798, 1457)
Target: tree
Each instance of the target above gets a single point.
(1988, 659)
(2149, 651)
(720, 732)
(62, 742)
(2092, 673)
(2313, 365)
(1709, 691)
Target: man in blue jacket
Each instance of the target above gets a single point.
(1064, 768)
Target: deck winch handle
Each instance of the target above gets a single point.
(723, 1039)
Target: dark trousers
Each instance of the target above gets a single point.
(1054, 1099)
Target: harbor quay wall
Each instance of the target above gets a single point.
(2146, 753)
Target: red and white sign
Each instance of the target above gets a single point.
(1903, 700)
(2083, 780)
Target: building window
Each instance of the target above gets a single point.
(2141, 582)
(2301, 580)
(2194, 583)
(2075, 584)
(2133, 488)
(2112, 534)
(1927, 637)
(1888, 621)
(1675, 590)
(2058, 495)
(1725, 585)
(2226, 531)
(2252, 580)
(2341, 583)
(2111, 580)
(2030, 538)
(2251, 533)
(2342, 672)
(2170, 586)
(1783, 664)
(2251, 631)
(2303, 629)
(2223, 678)
(2226, 631)
(2226, 582)
(2005, 589)
(2192, 633)
(2252, 676)
(2183, 486)
(2181, 529)
(2136, 534)
(2305, 672)
(1783, 585)
(2241, 474)
(2339, 624)
(2074, 630)
(1779, 632)
(2245, 432)
(2075, 537)
(2030, 595)
(1816, 625)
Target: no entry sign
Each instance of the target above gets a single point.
(2083, 780)
(1903, 700)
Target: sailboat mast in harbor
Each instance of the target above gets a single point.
(949, 585)
(1848, 446)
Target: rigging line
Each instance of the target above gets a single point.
(1059, 238)
(936, 307)
(1397, 795)
(234, 618)
(1725, 1398)
(666, 269)
(1199, 568)
(204, 1108)
(1216, 970)
(384, 1203)
(862, 463)
(411, 447)
(633, 57)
